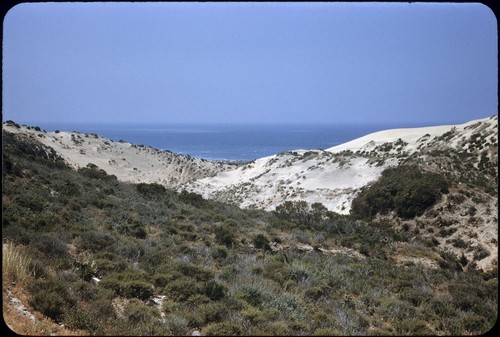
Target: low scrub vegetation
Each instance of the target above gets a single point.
(113, 258)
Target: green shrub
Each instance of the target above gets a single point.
(275, 270)
(183, 288)
(137, 312)
(219, 253)
(212, 312)
(96, 241)
(161, 279)
(480, 253)
(194, 271)
(137, 230)
(225, 235)
(49, 303)
(78, 318)
(395, 309)
(278, 328)
(253, 295)
(405, 189)
(104, 266)
(177, 325)
(415, 197)
(260, 241)
(51, 245)
(84, 290)
(223, 329)
(94, 172)
(128, 283)
(51, 297)
(297, 273)
(215, 291)
(294, 211)
(86, 270)
(192, 198)
(152, 190)
(138, 289)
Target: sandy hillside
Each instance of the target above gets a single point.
(128, 162)
(333, 176)
(464, 221)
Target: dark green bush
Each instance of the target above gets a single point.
(404, 189)
(105, 266)
(214, 290)
(50, 304)
(151, 190)
(476, 324)
(51, 245)
(96, 241)
(138, 289)
(192, 198)
(260, 241)
(225, 235)
(94, 172)
(128, 283)
(294, 211)
(51, 297)
(480, 253)
(254, 296)
(212, 312)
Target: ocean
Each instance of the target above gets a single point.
(234, 142)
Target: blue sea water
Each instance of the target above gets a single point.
(237, 142)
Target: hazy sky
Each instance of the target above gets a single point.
(249, 62)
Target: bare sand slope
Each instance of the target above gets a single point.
(128, 162)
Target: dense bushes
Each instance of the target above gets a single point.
(260, 241)
(151, 190)
(404, 189)
(191, 198)
(225, 235)
(207, 260)
(51, 297)
(128, 283)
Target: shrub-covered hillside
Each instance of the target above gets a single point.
(113, 258)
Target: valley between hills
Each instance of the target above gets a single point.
(265, 247)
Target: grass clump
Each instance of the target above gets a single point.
(17, 266)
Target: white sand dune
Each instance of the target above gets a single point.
(128, 162)
(334, 176)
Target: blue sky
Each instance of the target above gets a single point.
(249, 62)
